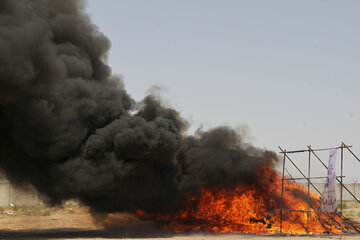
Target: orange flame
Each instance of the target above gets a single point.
(252, 208)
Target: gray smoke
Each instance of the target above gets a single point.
(68, 126)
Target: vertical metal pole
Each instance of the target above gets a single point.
(341, 178)
(282, 191)
(308, 197)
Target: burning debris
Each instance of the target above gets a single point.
(67, 126)
(253, 208)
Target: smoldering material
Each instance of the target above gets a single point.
(68, 126)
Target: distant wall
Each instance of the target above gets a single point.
(354, 188)
(28, 196)
(4, 193)
(10, 194)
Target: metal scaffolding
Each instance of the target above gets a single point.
(345, 225)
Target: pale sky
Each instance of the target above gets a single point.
(286, 70)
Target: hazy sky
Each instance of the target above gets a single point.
(287, 70)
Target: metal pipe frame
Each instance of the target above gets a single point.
(308, 178)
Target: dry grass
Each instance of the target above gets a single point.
(352, 210)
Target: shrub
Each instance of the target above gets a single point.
(46, 212)
(344, 206)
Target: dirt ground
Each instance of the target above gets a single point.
(42, 217)
(72, 221)
(351, 209)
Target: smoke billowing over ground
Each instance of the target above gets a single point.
(69, 127)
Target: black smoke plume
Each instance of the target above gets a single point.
(68, 126)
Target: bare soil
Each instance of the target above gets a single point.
(351, 209)
(42, 217)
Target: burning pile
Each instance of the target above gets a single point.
(68, 127)
(253, 208)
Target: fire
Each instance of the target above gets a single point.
(253, 208)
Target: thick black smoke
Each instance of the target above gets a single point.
(68, 126)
